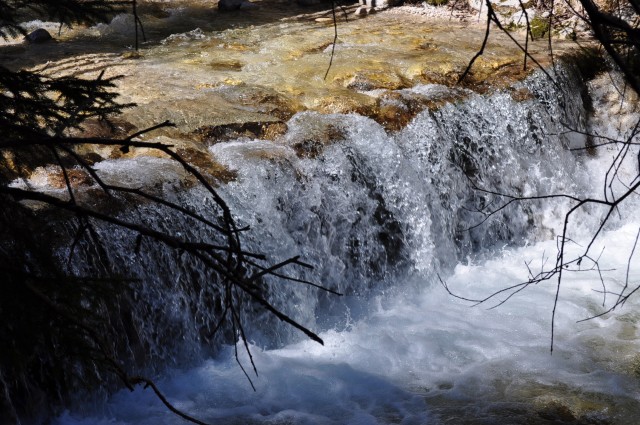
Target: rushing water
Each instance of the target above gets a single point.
(380, 215)
(383, 216)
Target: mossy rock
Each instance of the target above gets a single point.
(539, 27)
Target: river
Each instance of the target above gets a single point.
(387, 216)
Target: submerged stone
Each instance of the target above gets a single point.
(252, 130)
(226, 65)
(371, 80)
(346, 103)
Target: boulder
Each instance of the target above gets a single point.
(38, 36)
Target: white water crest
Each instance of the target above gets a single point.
(422, 357)
(383, 218)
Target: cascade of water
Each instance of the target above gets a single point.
(379, 216)
(368, 209)
(371, 209)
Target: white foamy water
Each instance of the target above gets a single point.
(418, 356)
(407, 351)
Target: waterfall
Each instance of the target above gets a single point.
(373, 210)
(380, 216)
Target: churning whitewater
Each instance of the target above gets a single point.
(384, 218)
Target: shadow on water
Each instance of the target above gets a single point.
(160, 20)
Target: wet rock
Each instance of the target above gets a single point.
(114, 128)
(226, 65)
(556, 411)
(308, 148)
(54, 177)
(216, 172)
(313, 142)
(213, 106)
(230, 4)
(521, 94)
(232, 131)
(261, 100)
(491, 74)
(372, 80)
(635, 366)
(565, 407)
(274, 130)
(132, 55)
(397, 108)
(395, 111)
(38, 36)
(443, 73)
(344, 104)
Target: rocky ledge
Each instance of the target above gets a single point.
(245, 81)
